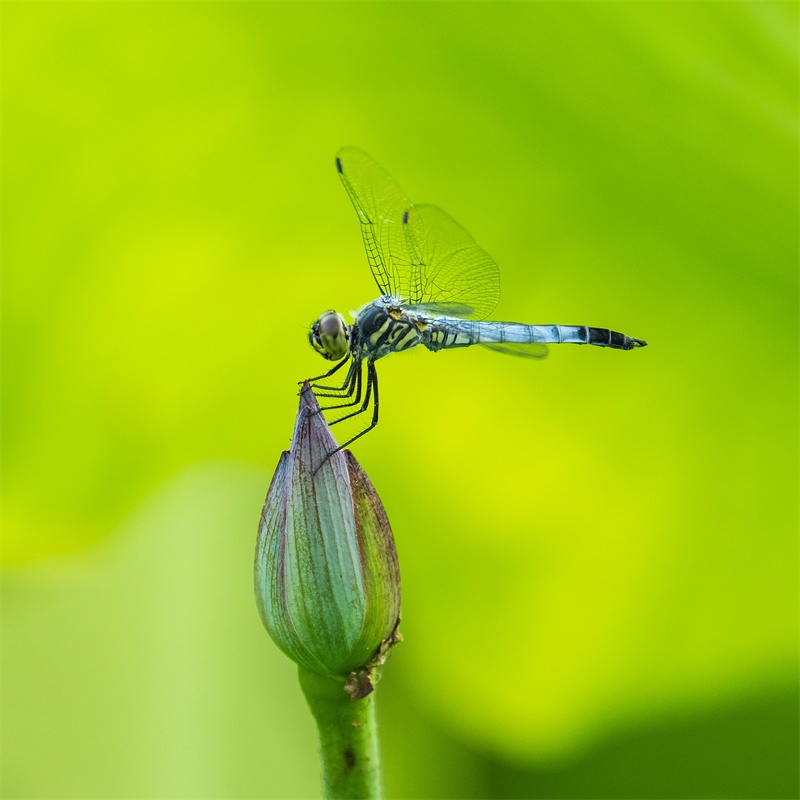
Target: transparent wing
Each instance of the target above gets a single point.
(417, 253)
(518, 349)
(455, 274)
(390, 225)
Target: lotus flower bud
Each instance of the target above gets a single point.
(326, 574)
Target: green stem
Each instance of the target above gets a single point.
(348, 739)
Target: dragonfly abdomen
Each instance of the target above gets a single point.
(450, 332)
(583, 334)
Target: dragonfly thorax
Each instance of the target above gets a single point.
(385, 326)
(330, 336)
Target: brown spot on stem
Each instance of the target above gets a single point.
(359, 684)
(349, 758)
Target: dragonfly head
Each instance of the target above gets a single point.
(330, 336)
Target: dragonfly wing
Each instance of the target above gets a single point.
(518, 349)
(390, 224)
(443, 309)
(454, 271)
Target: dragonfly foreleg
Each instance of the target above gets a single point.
(372, 388)
(354, 392)
(330, 372)
(344, 391)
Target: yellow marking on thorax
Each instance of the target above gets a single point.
(410, 335)
(373, 339)
(397, 332)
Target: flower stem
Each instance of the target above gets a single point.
(348, 739)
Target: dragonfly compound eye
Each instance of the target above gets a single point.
(330, 336)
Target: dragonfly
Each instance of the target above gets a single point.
(437, 288)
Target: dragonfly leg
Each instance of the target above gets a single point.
(330, 372)
(346, 389)
(355, 392)
(374, 380)
(371, 373)
(372, 386)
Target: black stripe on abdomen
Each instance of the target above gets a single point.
(608, 338)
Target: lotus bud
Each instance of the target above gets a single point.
(327, 579)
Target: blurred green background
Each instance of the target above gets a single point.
(599, 551)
